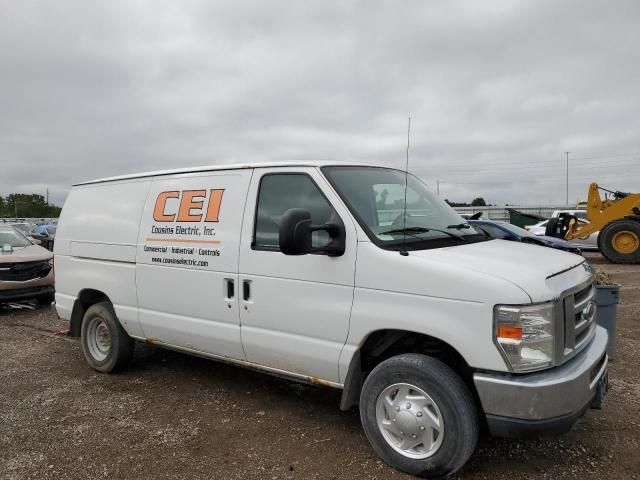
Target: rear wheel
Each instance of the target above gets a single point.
(419, 416)
(105, 344)
(619, 241)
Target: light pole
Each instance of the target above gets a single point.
(15, 204)
(567, 189)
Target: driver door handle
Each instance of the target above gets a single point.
(246, 290)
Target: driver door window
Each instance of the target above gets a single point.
(280, 192)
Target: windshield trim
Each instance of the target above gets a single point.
(408, 243)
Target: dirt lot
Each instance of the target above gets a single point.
(175, 416)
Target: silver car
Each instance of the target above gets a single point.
(588, 243)
(26, 269)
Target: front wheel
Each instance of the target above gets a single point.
(419, 416)
(619, 241)
(105, 344)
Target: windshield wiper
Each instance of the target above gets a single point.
(410, 230)
(459, 226)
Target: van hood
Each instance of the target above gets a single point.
(530, 267)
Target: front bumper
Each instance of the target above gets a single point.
(550, 401)
(19, 294)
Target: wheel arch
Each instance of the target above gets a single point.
(85, 299)
(382, 344)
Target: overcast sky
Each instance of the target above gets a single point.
(497, 90)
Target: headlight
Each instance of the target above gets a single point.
(525, 335)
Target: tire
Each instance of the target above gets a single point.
(619, 241)
(449, 402)
(105, 345)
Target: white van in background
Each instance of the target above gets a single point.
(317, 272)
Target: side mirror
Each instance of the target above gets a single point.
(296, 229)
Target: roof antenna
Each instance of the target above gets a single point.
(403, 251)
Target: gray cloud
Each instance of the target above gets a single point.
(496, 90)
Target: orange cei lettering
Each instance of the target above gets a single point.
(161, 202)
(190, 202)
(213, 209)
(187, 204)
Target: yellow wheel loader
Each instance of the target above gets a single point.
(616, 218)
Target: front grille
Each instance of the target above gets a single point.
(580, 319)
(25, 271)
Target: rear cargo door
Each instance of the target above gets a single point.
(187, 261)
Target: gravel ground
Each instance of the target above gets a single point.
(175, 416)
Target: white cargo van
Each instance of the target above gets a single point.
(317, 272)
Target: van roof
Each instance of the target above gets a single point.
(237, 166)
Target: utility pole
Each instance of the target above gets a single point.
(438, 187)
(47, 195)
(567, 190)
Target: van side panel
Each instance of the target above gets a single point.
(95, 247)
(187, 257)
(117, 280)
(428, 296)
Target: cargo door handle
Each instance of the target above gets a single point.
(246, 290)
(229, 290)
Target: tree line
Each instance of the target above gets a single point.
(25, 205)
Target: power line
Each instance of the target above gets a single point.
(551, 162)
(528, 174)
(511, 181)
(483, 167)
(534, 164)
(609, 156)
(511, 178)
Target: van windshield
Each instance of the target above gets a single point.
(376, 197)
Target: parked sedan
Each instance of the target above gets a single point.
(588, 243)
(46, 234)
(26, 270)
(506, 231)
